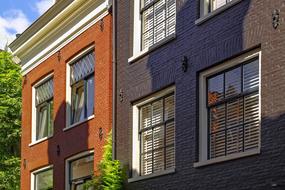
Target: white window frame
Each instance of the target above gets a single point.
(136, 138)
(67, 162)
(34, 173)
(137, 34)
(69, 91)
(203, 114)
(34, 112)
(205, 14)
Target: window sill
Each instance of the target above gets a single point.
(153, 175)
(226, 158)
(78, 123)
(216, 12)
(151, 48)
(39, 141)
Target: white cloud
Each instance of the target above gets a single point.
(43, 5)
(12, 22)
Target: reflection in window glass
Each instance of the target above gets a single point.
(233, 118)
(44, 180)
(215, 89)
(81, 170)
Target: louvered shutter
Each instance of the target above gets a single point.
(157, 136)
(233, 102)
(82, 68)
(44, 92)
(158, 21)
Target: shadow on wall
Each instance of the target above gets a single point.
(65, 144)
(224, 36)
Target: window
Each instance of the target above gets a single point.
(209, 6)
(80, 171)
(232, 115)
(154, 23)
(158, 20)
(44, 109)
(82, 88)
(43, 179)
(155, 134)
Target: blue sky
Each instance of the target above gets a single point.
(17, 15)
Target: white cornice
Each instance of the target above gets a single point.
(76, 19)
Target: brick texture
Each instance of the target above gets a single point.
(80, 138)
(246, 25)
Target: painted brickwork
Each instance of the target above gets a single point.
(240, 28)
(80, 138)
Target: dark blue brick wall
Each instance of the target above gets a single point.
(246, 25)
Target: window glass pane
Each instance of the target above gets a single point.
(251, 76)
(147, 30)
(157, 112)
(157, 135)
(83, 167)
(233, 82)
(158, 21)
(215, 89)
(44, 92)
(158, 160)
(42, 128)
(234, 122)
(251, 119)
(82, 68)
(169, 107)
(145, 117)
(215, 4)
(235, 113)
(147, 140)
(50, 123)
(235, 140)
(44, 180)
(217, 118)
(217, 144)
(90, 96)
(78, 103)
(146, 163)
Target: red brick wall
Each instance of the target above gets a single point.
(83, 137)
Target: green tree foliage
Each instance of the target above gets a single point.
(111, 175)
(10, 122)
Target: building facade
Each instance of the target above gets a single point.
(66, 60)
(199, 89)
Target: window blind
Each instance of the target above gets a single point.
(158, 20)
(157, 131)
(233, 107)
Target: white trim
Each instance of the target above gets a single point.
(39, 141)
(204, 16)
(63, 40)
(78, 123)
(147, 50)
(203, 132)
(34, 112)
(135, 135)
(82, 154)
(226, 158)
(68, 98)
(36, 172)
(153, 175)
(138, 52)
(79, 55)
